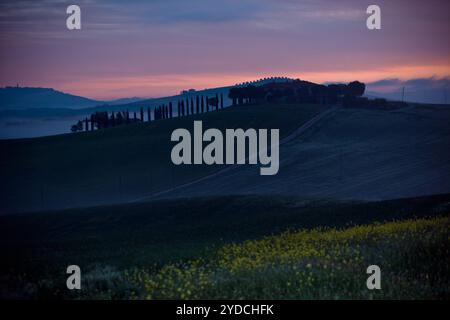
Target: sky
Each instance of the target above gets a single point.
(156, 48)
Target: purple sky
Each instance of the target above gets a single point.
(159, 47)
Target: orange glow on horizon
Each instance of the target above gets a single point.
(167, 85)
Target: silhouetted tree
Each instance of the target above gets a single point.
(217, 102)
(113, 119)
(101, 119)
(334, 91)
(233, 95)
(197, 104)
(77, 127)
(221, 101)
(356, 88)
(119, 118)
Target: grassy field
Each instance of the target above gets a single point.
(354, 154)
(310, 264)
(119, 164)
(222, 246)
(123, 250)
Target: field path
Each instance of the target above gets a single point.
(348, 154)
(292, 136)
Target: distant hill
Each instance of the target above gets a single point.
(35, 102)
(24, 98)
(8, 110)
(124, 101)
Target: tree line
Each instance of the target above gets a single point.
(289, 91)
(296, 91)
(184, 107)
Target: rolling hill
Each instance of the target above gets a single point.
(96, 195)
(119, 164)
(26, 98)
(363, 154)
(13, 98)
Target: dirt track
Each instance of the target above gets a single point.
(351, 154)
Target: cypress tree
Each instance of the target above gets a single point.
(197, 104)
(217, 102)
(192, 105)
(170, 110)
(203, 105)
(221, 101)
(92, 122)
(142, 114)
(149, 115)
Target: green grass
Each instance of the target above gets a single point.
(108, 241)
(413, 256)
(119, 164)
